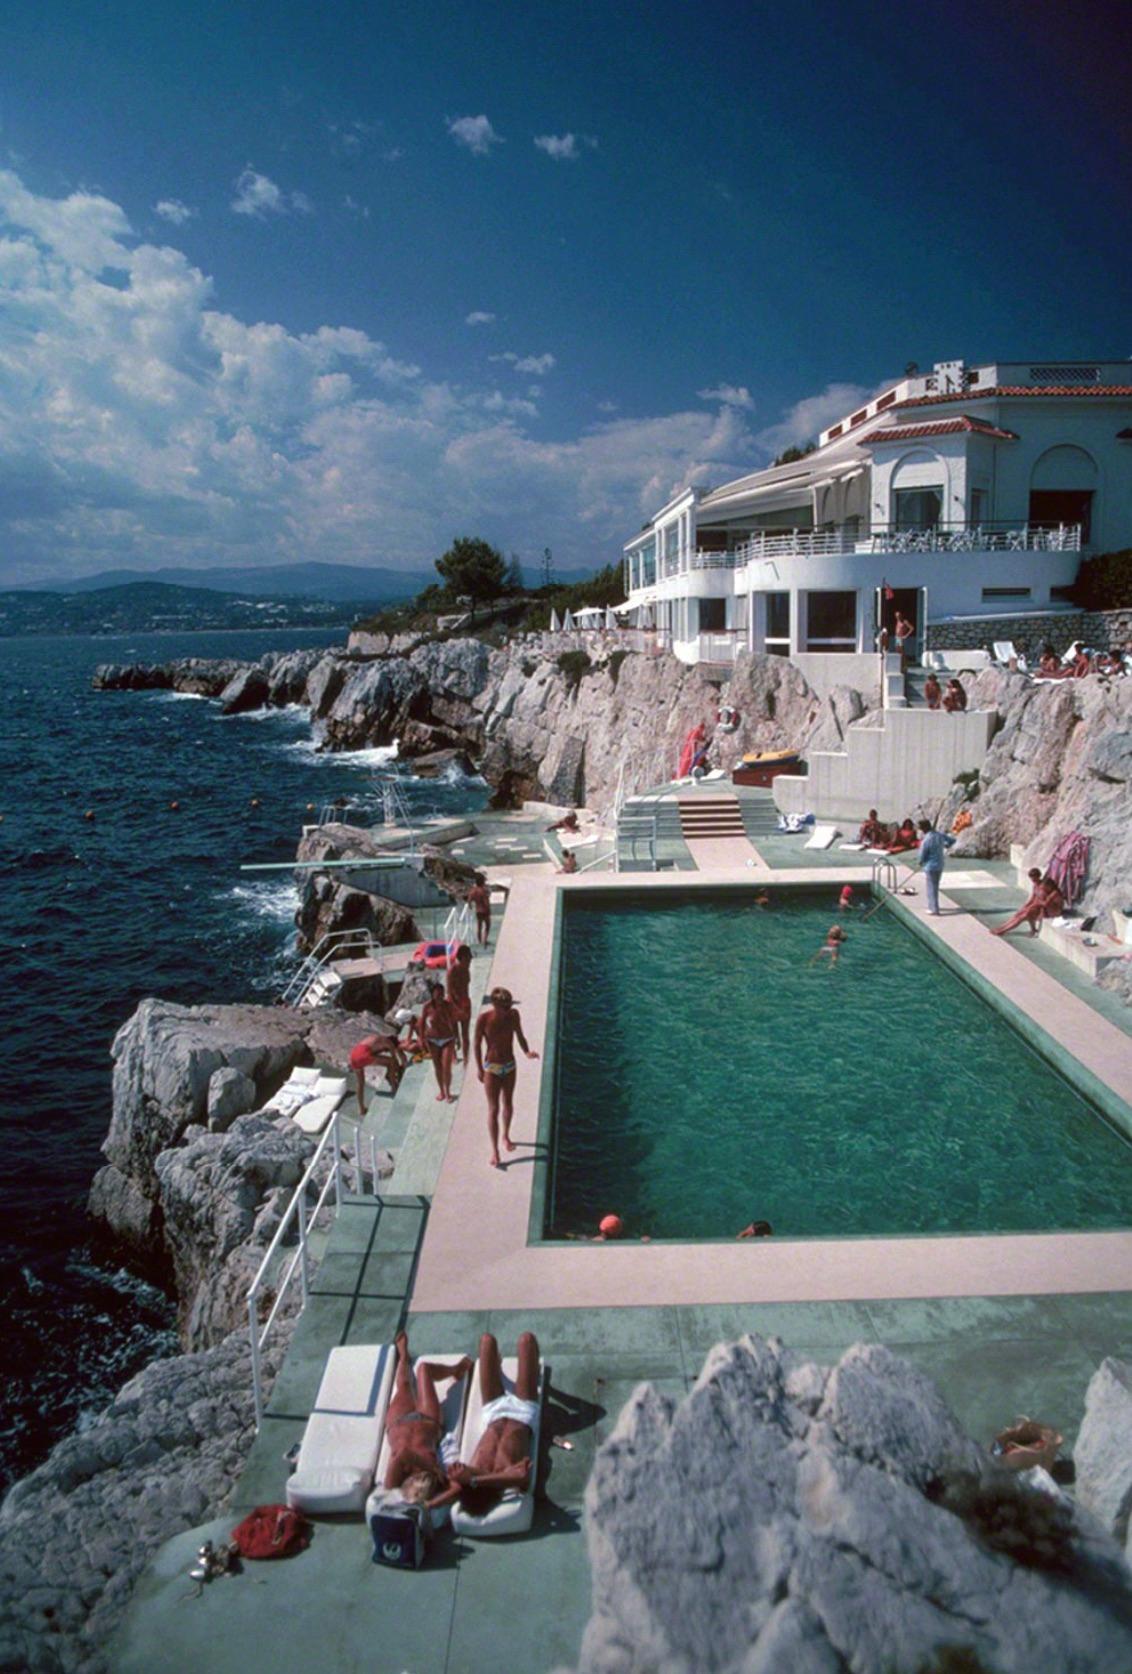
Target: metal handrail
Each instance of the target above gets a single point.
(456, 926)
(300, 1259)
(328, 947)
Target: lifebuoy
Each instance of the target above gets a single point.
(728, 718)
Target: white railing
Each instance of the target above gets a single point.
(796, 543)
(395, 809)
(720, 647)
(456, 926)
(338, 813)
(1025, 537)
(327, 948)
(297, 1211)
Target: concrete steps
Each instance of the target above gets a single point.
(711, 816)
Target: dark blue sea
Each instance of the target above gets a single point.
(96, 914)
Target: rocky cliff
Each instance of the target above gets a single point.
(788, 1517)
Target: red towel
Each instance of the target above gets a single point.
(1069, 864)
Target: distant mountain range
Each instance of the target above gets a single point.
(334, 583)
(155, 607)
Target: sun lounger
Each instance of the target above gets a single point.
(821, 837)
(514, 1512)
(310, 1096)
(341, 1442)
(1003, 650)
(452, 1393)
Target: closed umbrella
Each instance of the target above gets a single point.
(610, 617)
(555, 624)
(567, 623)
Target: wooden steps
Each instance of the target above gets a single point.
(711, 816)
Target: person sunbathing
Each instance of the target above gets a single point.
(502, 1458)
(1030, 912)
(933, 692)
(420, 1454)
(904, 837)
(872, 833)
(955, 698)
(568, 822)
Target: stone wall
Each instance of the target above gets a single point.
(1100, 628)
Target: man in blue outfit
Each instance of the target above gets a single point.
(933, 849)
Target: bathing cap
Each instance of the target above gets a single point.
(611, 1226)
(847, 892)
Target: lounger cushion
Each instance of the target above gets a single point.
(342, 1439)
(821, 837)
(514, 1513)
(313, 1116)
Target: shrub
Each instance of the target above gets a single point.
(1105, 582)
(573, 667)
(970, 784)
(615, 660)
(528, 667)
(1022, 1524)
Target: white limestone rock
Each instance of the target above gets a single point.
(1103, 1451)
(785, 1518)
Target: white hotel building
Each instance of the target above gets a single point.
(968, 492)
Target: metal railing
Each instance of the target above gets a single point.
(720, 646)
(339, 813)
(795, 543)
(456, 926)
(979, 537)
(394, 806)
(328, 948)
(297, 1212)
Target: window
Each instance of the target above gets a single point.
(917, 508)
(831, 621)
(672, 540)
(978, 507)
(777, 636)
(713, 615)
(1053, 506)
(990, 593)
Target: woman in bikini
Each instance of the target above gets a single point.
(438, 1027)
(419, 1452)
(497, 1030)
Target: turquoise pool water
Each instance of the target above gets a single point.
(707, 1073)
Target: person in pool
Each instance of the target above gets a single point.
(459, 976)
(756, 1229)
(497, 1030)
(834, 942)
(438, 1027)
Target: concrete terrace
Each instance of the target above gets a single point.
(1006, 1325)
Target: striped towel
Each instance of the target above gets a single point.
(1069, 864)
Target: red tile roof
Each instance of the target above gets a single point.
(974, 394)
(937, 427)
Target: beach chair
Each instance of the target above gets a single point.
(822, 837)
(514, 1512)
(1003, 650)
(310, 1097)
(452, 1393)
(342, 1440)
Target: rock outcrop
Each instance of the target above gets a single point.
(76, 1534)
(1103, 1454)
(788, 1517)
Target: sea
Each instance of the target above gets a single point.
(108, 894)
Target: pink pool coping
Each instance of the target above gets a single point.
(475, 1252)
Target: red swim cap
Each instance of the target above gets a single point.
(847, 892)
(611, 1226)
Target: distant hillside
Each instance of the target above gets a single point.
(338, 583)
(154, 606)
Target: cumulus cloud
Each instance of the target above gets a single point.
(536, 365)
(173, 211)
(731, 395)
(259, 196)
(803, 421)
(474, 132)
(479, 317)
(565, 148)
(140, 424)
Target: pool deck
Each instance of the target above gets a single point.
(1006, 1325)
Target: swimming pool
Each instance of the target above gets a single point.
(706, 1073)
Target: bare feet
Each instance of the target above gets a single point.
(508, 1143)
(494, 1161)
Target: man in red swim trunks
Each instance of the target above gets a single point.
(497, 1030)
(459, 976)
(377, 1051)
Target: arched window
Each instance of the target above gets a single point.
(919, 490)
(1062, 484)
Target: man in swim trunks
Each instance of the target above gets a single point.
(503, 1456)
(438, 1028)
(459, 975)
(480, 899)
(872, 833)
(373, 1052)
(420, 1454)
(497, 1030)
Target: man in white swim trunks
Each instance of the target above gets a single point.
(503, 1457)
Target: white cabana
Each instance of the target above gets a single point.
(590, 616)
(555, 624)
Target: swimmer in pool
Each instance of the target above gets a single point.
(834, 942)
(497, 1030)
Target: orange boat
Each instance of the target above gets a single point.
(762, 766)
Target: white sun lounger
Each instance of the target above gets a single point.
(452, 1393)
(821, 837)
(341, 1442)
(513, 1513)
(310, 1096)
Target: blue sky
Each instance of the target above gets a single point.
(292, 282)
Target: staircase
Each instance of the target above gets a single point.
(711, 816)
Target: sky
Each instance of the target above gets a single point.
(283, 282)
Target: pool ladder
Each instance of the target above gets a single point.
(885, 875)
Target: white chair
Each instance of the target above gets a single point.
(340, 1446)
(514, 1512)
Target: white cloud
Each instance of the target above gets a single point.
(802, 422)
(174, 211)
(537, 365)
(259, 196)
(479, 317)
(565, 148)
(361, 210)
(140, 424)
(731, 395)
(475, 132)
